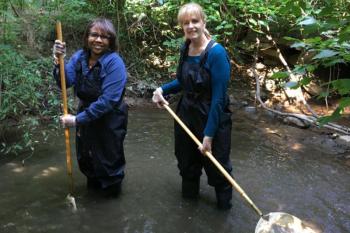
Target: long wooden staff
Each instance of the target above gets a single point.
(65, 109)
(216, 163)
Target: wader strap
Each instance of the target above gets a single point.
(204, 54)
(184, 53)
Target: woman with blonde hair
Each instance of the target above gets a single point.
(202, 77)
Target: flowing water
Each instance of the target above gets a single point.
(277, 171)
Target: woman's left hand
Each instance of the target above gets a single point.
(59, 48)
(206, 145)
(68, 120)
(158, 98)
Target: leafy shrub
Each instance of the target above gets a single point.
(25, 96)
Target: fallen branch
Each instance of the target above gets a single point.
(300, 97)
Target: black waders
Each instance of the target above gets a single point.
(193, 109)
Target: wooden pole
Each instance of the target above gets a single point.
(65, 109)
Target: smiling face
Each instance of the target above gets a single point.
(99, 37)
(191, 18)
(193, 26)
(98, 41)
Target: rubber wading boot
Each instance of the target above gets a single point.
(93, 184)
(223, 197)
(190, 188)
(113, 190)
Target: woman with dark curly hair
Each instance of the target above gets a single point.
(98, 75)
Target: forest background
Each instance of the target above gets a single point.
(303, 46)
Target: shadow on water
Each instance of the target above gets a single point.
(279, 175)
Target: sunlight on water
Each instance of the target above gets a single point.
(47, 172)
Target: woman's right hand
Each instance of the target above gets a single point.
(158, 98)
(59, 48)
(68, 120)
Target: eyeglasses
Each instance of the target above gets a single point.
(95, 35)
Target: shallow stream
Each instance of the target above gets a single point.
(277, 170)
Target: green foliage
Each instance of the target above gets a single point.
(28, 94)
(23, 96)
(172, 57)
(324, 32)
(150, 38)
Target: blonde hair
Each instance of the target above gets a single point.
(192, 9)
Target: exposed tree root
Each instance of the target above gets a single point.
(297, 92)
(312, 120)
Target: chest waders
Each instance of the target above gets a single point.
(193, 109)
(99, 143)
(273, 222)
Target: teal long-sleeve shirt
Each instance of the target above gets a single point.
(220, 71)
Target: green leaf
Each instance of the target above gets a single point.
(291, 39)
(344, 34)
(228, 25)
(309, 20)
(305, 81)
(298, 45)
(313, 40)
(299, 69)
(310, 68)
(326, 11)
(342, 85)
(263, 23)
(291, 85)
(297, 11)
(325, 54)
(323, 95)
(333, 62)
(346, 57)
(344, 102)
(280, 75)
(324, 120)
(311, 29)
